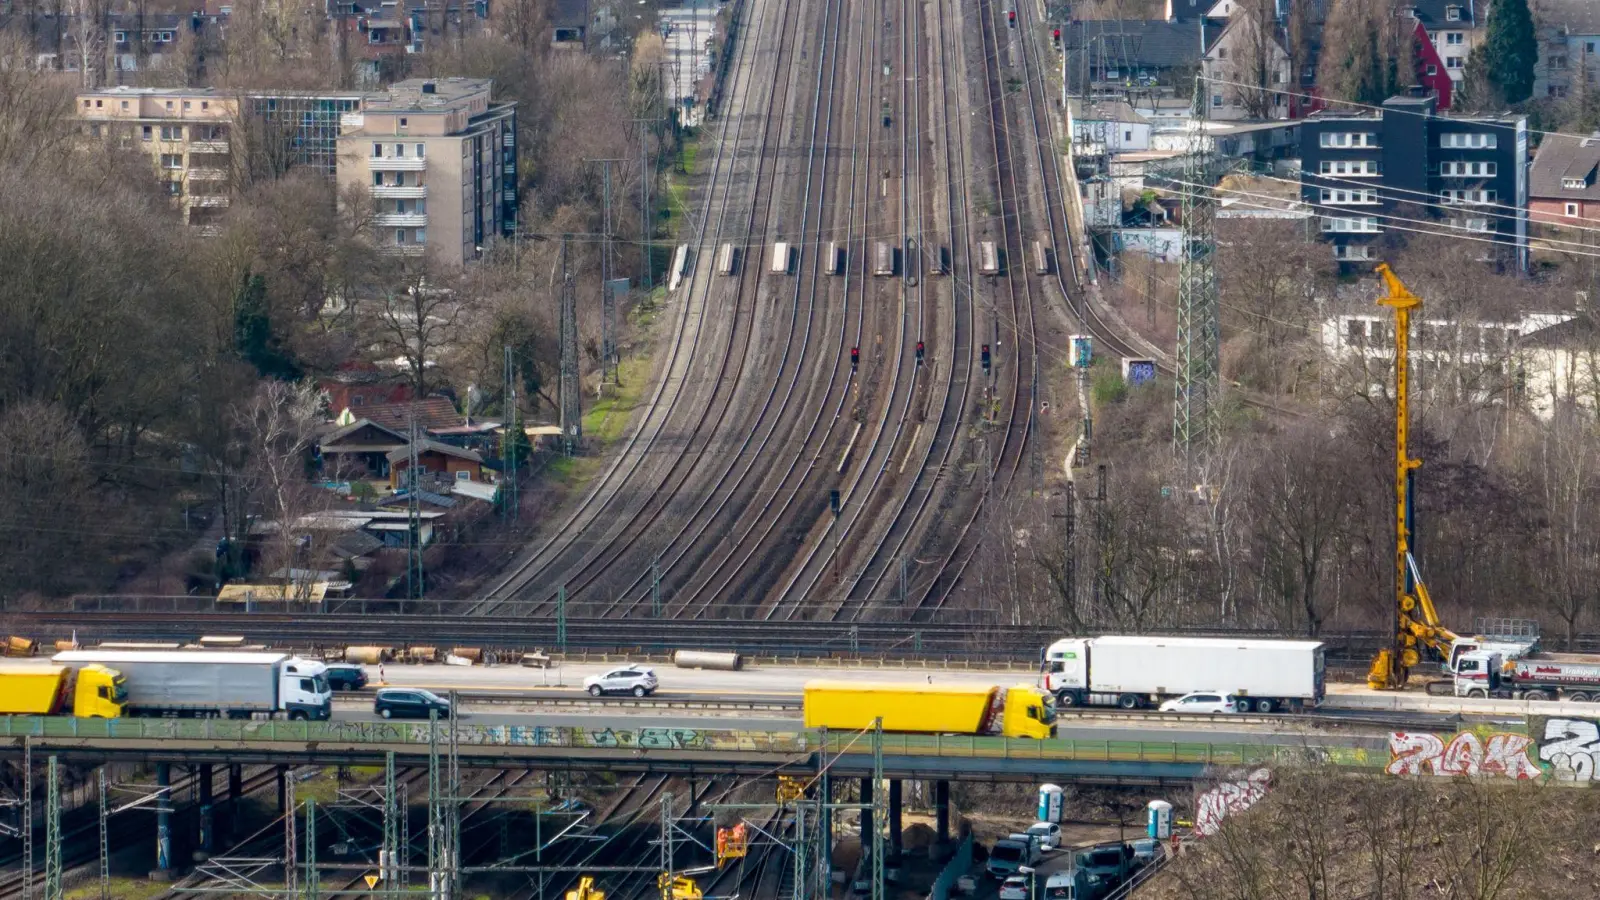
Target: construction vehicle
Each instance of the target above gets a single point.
(681, 885)
(86, 692)
(1418, 626)
(586, 890)
(973, 709)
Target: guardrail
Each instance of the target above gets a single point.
(418, 734)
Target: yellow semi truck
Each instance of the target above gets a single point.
(976, 709)
(87, 692)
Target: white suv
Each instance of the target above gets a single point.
(636, 680)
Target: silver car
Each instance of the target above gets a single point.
(639, 681)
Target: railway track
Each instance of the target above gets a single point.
(631, 493)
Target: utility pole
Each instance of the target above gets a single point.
(647, 177)
(512, 443)
(1196, 416)
(414, 586)
(608, 296)
(571, 402)
(52, 833)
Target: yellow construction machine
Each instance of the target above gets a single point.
(1418, 624)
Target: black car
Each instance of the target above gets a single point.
(409, 703)
(346, 677)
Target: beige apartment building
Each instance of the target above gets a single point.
(440, 159)
(185, 132)
(438, 156)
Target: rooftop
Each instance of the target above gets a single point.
(1562, 157)
(428, 94)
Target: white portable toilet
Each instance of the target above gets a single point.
(1049, 803)
(1160, 824)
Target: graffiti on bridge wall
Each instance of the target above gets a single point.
(530, 736)
(1569, 747)
(1481, 753)
(1233, 796)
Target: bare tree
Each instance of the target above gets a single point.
(1367, 53)
(279, 422)
(417, 320)
(1259, 68)
(1565, 463)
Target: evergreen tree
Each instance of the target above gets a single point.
(1510, 50)
(252, 332)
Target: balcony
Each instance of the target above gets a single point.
(400, 192)
(403, 249)
(401, 220)
(397, 163)
(208, 146)
(213, 200)
(207, 174)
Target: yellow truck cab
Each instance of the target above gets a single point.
(89, 692)
(1029, 712)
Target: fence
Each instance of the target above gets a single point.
(954, 869)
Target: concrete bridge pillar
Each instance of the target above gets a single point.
(283, 789)
(164, 822)
(207, 841)
(894, 818)
(941, 809)
(236, 788)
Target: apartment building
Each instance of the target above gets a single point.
(185, 131)
(440, 159)
(1409, 168)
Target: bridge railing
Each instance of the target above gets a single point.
(662, 738)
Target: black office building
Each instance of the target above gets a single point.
(1410, 168)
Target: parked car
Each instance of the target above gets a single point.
(1048, 833)
(1145, 851)
(409, 703)
(1074, 884)
(1201, 702)
(346, 677)
(1010, 854)
(1015, 887)
(1112, 863)
(636, 680)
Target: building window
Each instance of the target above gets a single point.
(1357, 224)
(124, 104)
(1216, 100)
(1337, 196)
(1479, 225)
(1460, 140)
(1343, 139)
(1349, 167)
(1556, 90)
(205, 104)
(377, 151)
(169, 104)
(420, 206)
(1452, 197)
(172, 132)
(399, 235)
(120, 36)
(1453, 62)
(1127, 135)
(402, 121)
(1452, 13)
(174, 188)
(1588, 46)
(146, 132)
(1558, 62)
(1222, 53)
(377, 179)
(399, 151)
(1468, 170)
(172, 160)
(1572, 210)
(422, 235)
(1356, 328)
(1432, 69)
(422, 151)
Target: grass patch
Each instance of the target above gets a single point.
(604, 421)
(678, 176)
(121, 888)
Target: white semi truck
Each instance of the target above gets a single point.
(1541, 676)
(236, 685)
(1139, 672)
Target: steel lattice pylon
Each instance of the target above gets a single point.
(52, 833)
(1196, 414)
(571, 401)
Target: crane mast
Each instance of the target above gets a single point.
(1417, 622)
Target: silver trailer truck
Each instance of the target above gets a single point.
(215, 683)
(1133, 672)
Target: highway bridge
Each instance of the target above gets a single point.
(623, 743)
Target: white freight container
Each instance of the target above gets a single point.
(1134, 672)
(215, 683)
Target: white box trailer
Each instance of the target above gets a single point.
(1136, 672)
(214, 683)
(780, 258)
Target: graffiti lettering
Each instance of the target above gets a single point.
(1499, 754)
(1572, 748)
(1229, 797)
(668, 738)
